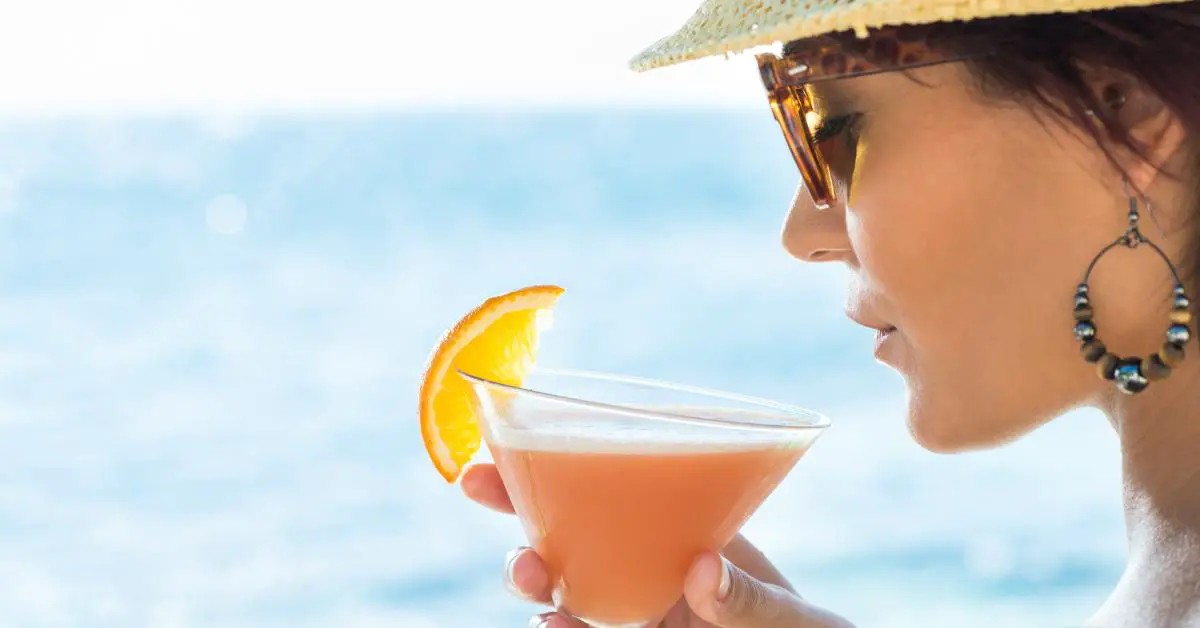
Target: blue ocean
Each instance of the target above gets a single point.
(214, 329)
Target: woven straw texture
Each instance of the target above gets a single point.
(732, 26)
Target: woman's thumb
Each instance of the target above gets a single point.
(723, 595)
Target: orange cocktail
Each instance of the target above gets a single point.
(619, 496)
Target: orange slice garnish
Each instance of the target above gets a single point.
(497, 341)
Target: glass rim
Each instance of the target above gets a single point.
(815, 420)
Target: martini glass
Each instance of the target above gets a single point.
(621, 482)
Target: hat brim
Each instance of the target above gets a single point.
(726, 27)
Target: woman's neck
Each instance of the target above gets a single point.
(1160, 452)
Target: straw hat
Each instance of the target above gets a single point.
(732, 26)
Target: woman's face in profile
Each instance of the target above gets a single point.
(969, 222)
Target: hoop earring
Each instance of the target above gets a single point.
(1133, 374)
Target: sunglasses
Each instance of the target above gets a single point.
(788, 79)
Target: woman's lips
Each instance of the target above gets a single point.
(881, 337)
(883, 331)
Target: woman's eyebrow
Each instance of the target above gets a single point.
(833, 96)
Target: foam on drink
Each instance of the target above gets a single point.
(583, 431)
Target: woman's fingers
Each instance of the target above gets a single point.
(526, 576)
(481, 483)
(752, 561)
(723, 595)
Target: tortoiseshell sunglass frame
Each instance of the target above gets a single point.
(787, 77)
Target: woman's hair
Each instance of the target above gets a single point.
(1042, 58)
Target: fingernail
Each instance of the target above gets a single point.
(539, 621)
(723, 586)
(510, 563)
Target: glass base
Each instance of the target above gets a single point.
(648, 624)
(557, 598)
(600, 624)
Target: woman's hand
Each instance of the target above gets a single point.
(739, 590)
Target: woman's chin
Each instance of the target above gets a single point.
(937, 440)
(950, 428)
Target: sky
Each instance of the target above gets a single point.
(259, 56)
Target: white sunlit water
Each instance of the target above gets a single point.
(10, 187)
(226, 214)
(203, 430)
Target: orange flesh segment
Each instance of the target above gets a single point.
(496, 341)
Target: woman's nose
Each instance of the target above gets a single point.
(815, 235)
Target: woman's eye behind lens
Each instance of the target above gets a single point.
(837, 140)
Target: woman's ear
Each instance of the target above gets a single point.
(1151, 125)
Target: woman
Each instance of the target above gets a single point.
(1003, 187)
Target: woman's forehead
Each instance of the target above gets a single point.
(831, 96)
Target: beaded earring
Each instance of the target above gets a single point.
(1133, 374)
